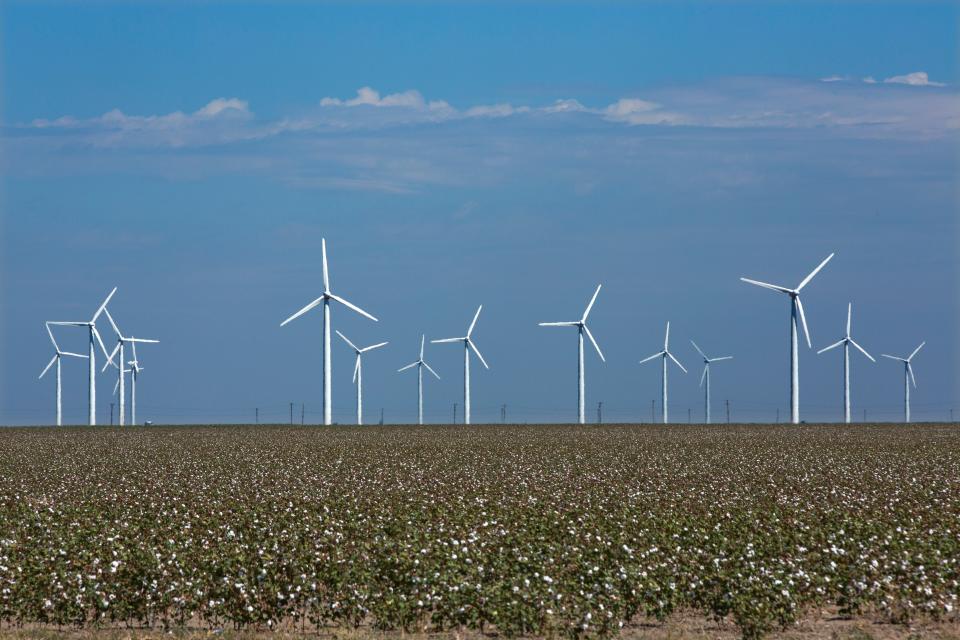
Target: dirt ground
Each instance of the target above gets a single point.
(826, 626)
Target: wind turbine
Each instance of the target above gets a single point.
(467, 345)
(121, 341)
(582, 328)
(56, 358)
(796, 308)
(907, 378)
(705, 377)
(846, 342)
(420, 364)
(358, 371)
(663, 381)
(92, 372)
(325, 301)
(136, 369)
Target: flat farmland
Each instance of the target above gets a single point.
(511, 530)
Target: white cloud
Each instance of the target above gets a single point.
(834, 78)
(916, 79)
(410, 99)
(499, 110)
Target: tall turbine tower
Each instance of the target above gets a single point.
(92, 357)
(135, 369)
(846, 342)
(121, 341)
(420, 364)
(358, 371)
(467, 345)
(796, 308)
(705, 377)
(582, 328)
(907, 378)
(325, 301)
(663, 355)
(56, 358)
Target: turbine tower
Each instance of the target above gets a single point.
(358, 371)
(796, 308)
(325, 301)
(467, 346)
(420, 364)
(56, 358)
(846, 342)
(92, 371)
(135, 368)
(121, 341)
(907, 378)
(705, 377)
(663, 355)
(582, 328)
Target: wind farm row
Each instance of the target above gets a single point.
(664, 357)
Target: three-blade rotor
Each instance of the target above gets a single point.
(581, 324)
(420, 362)
(907, 361)
(467, 340)
(707, 361)
(847, 339)
(666, 351)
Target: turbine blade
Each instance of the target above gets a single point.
(893, 357)
(834, 345)
(136, 340)
(804, 282)
(116, 385)
(423, 339)
(849, 313)
(69, 324)
(412, 364)
(477, 351)
(326, 275)
(721, 358)
(703, 376)
(803, 320)
(910, 357)
(352, 306)
(113, 324)
(862, 350)
(344, 338)
(559, 324)
(766, 285)
(656, 355)
(594, 342)
(447, 340)
(102, 347)
(429, 369)
(676, 362)
(374, 346)
(47, 368)
(474, 323)
(75, 355)
(110, 358)
(698, 350)
(134, 345)
(303, 310)
(666, 338)
(590, 306)
(103, 306)
(910, 369)
(52, 339)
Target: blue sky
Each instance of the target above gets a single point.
(455, 154)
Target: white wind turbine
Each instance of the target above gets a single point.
(420, 364)
(56, 358)
(846, 342)
(467, 345)
(582, 328)
(325, 301)
(135, 370)
(907, 378)
(663, 355)
(92, 372)
(796, 308)
(358, 371)
(705, 377)
(121, 341)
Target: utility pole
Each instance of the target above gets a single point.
(111, 414)
(257, 414)
(303, 411)
(778, 415)
(689, 419)
(951, 415)
(291, 413)
(653, 411)
(381, 415)
(600, 412)
(503, 414)
(454, 413)
(728, 412)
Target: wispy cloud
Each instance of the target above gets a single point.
(916, 79)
